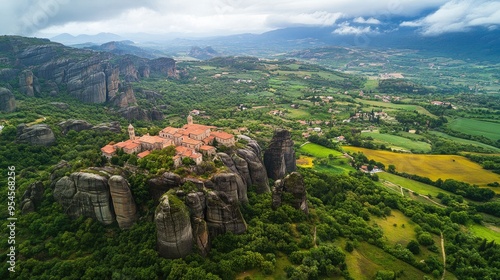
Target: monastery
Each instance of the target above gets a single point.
(192, 140)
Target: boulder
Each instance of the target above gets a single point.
(173, 228)
(28, 83)
(39, 134)
(76, 125)
(134, 113)
(279, 158)
(60, 105)
(52, 88)
(123, 202)
(85, 194)
(112, 127)
(292, 184)
(164, 66)
(32, 197)
(7, 100)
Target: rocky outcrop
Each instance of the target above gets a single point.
(76, 125)
(279, 158)
(203, 53)
(124, 99)
(292, 184)
(127, 68)
(52, 88)
(85, 194)
(123, 202)
(111, 127)
(39, 134)
(196, 202)
(257, 171)
(151, 95)
(163, 65)
(223, 214)
(137, 113)
(173, 227)
(89, 88)
(112, 81)
(32, 197)
(28, 83)
(7, 100)
(60, 105)
(159, 185)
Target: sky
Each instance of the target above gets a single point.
(47, 18)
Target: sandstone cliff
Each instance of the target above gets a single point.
(85, 194)
(123, 202)
(292, 184)
(32, 197)
(279, 158)
(76, 125)
(173, 227)
(7, 100)
(92, 77)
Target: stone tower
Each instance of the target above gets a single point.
(131, 132)
(190, 119)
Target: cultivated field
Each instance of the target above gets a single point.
(418, 187)
(403, 107)
(433, 166)
(474, 127)
(319, 151)
(398, 142)
(465, 141)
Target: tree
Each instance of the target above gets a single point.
(391, 168)
(414, 247)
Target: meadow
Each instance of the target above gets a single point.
(404, 107)
(433, 166)
(398, 142)
(413, 185)
(319, 151)
(475, 127)
(464, 141)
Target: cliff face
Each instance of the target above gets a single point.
(96, 196)
(92, 77)
(7, 100)
(39, 134)
(279, 158)
(292, 184)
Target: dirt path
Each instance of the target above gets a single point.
(444, 256)
(402, 188)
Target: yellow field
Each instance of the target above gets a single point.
(433, 166)
(306, 162)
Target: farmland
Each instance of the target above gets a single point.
(489, 130)
(392, 106)
(433, 166)
(398, 142)
(465, 141)
(319, 151)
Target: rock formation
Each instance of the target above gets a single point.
(196, 202)
(173, 227)
(7, 100)
(60, 105)
(257, 171)
(124, 99)
(39, 134)
(112, 127)
(32, 197)
(137, 113)
(123, 202)
(160, 185)
(223, 214)
(76, 125)
(28, 83)
(90, 76)
(279, 157)
(294, 185)
(85, 194)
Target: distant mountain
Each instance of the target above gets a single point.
(68, 39)
(127, 47)
(203, 53)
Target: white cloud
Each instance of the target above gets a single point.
(459, 16)
(371, 20)
(346, 29)
(319, 18)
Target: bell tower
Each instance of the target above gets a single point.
(190, 119)
(131, 132)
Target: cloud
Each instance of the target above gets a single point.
(459, 16)
(320, 18)
(367, 21)
(346, 29)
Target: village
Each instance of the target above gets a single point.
(191, 141)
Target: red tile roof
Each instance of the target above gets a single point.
(143, 154)
(207, 148)
(108, 149)
(191, 141)
(222, 135)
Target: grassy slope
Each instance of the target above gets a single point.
(404, 107)
(413, 185)
(433, 166)
(475, 127)
(465, 141)
(319, 151)
(398, 142)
